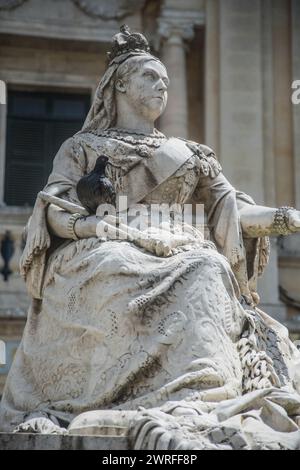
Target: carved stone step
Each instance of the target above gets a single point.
(26, 441)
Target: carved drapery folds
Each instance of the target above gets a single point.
(112, 10)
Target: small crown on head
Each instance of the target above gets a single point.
(126, 41)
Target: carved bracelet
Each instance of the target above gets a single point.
(281, 220)
(71, 224)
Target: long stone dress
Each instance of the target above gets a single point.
(117, 327)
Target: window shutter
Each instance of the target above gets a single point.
(24, 161)
(37, 125)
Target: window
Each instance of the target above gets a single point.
(37, 125)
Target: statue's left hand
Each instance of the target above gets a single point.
(294, 220)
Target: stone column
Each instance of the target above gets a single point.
(174, 121)
(290, 250)
(241, 98)
(283, 123)
(268, 105)
(296, 107)
(246, 115)
(3, 113)
(268, 284)
(175, 28)
(212, 76)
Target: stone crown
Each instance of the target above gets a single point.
(126, 41)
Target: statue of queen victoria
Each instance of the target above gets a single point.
(158, 335)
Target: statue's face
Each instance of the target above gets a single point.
(146, 89)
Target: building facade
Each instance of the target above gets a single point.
(232, 65)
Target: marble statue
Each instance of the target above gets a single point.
(157, 337)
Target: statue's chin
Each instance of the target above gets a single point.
(154, 109)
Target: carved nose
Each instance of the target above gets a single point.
(162, 86)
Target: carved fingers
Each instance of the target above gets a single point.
(294, 220)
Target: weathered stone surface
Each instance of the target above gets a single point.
(10, 441)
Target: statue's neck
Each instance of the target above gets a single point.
(128, 119)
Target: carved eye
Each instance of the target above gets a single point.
(150, 75)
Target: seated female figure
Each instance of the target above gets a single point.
(117, 324)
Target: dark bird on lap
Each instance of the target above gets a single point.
(95, 188)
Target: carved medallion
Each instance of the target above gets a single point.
(10, 4)
(109, 10)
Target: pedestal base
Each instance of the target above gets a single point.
(11, 441)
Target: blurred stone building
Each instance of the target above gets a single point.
(231, 63)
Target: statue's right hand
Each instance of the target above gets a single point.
(93, 226)
(86, 227)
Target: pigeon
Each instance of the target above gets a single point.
(95, 188)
